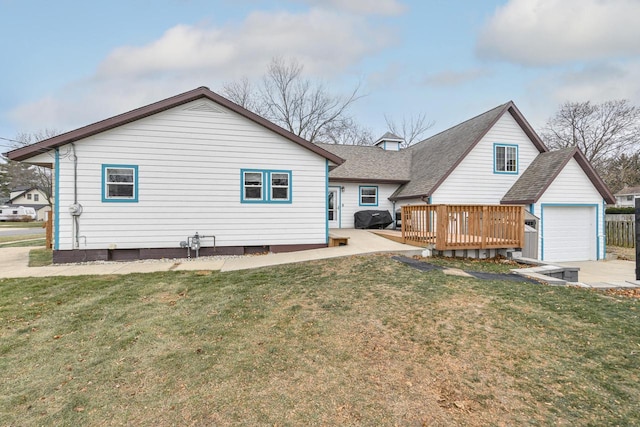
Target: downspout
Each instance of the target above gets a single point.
(76, 209)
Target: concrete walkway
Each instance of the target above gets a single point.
(14, 261)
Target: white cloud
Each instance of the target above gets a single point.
(599, 83)
(326, 43)
(368, 7)
(547, 32)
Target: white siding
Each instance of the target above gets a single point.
(571, 188)
(189, 166)
(474, 181)
(351, 200)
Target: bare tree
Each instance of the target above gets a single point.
(14, 174)
(410, 129)
(298, 104)
(243, 93)
(601, 131)
(347, 132)
(622, 171)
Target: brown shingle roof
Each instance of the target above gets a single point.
(368, 163)
(436, 157)
(424, 166)
(538, 176)
(543, 171)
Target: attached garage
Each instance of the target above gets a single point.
(569, 232)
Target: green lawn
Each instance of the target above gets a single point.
(40, 257)
(19, 224)
(353, 341)
(20, 238)
(24, 243)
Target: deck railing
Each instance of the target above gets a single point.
(451, 227)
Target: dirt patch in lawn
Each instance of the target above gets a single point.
(628, 254)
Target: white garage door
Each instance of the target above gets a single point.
(569, 233)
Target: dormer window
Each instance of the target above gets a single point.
(505, 158)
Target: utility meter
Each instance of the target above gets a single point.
(75, 209)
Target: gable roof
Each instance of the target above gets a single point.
(543, 171)
(444, 151)
(20, 191)
(28, 151)
(390, 137)
(21, 188)
(628, 191)
(370, 163)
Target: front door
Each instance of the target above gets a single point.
(333, 207)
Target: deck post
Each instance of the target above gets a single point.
(521, 229)
(403, 222)
(485, 220)
(442, 224)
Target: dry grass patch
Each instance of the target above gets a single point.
(350, 341)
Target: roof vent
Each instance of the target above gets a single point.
(389, 142)
(205, 107)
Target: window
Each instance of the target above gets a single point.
(368, 196)
(36, 197)
(29, 196)
(629, 198)
(279, 186)
(265, 186)
(505, 158)
(253, 186)
(119, 183)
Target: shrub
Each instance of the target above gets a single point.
(629, 210)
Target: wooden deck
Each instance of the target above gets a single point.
(451, 227)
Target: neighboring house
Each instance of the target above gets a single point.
(257, 187)
(494, 158)
(31, 197)
(626, 197)
(138, 184)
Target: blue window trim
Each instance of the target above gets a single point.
(266, 186)
(116, 199)
(591, 205)
(495, 146)
(360, 195)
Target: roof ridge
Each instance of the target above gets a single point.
(86, 131)
(504, 106)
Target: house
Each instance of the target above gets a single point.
(256, 187)
(626, 197)
(494, 158)
(140, 183)
(31, 197)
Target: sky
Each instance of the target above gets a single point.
(69, 63)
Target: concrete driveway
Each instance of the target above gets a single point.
(605, 274)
